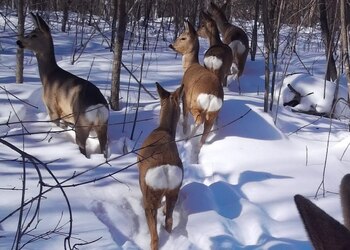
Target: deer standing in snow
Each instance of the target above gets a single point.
(233, 36)
(160, 166)
(325, 232)
(203, 93)
(218, 58)
(69, 99)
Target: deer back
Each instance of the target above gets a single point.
(324, 231)
(200, 83)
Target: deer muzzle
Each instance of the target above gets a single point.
(20, 44)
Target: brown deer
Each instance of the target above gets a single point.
(325, 232)
(218, 58)
(160, 166)
(203, 93)
(233, 36)
(69, 99)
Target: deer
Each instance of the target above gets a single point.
(234, 37)
(69, 99)
(203, 92)
(218, 58)
(160, 166)
(324, 231)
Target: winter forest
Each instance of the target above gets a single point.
(157, 124)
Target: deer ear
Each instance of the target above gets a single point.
(189, 27)
(324, 232)
(223, 7)
(345, 199)
(162, 92)
(213, 7)
(178, 92)
(42, 25)
(35, 20)
(204, 15)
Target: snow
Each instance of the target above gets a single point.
(236, 194)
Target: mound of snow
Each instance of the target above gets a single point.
(317, 95)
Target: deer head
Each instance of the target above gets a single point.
(38, 40)
(187, 45)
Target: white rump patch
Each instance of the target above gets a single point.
(237, 47)
(212, 62)
(97, 112)
(209, 102)
(164, 177)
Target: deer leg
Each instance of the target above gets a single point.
(151, 217)
(239, 86)
(185, 115)
(54, 117)
(101, 131)
(208, 124)
(198, 119)
(81, 134)
(169, 209)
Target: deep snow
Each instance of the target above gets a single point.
(239, 195)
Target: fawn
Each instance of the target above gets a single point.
(325, 232)
(203, 92)
(160, 166)
(68, 98)
(233, 36)
(218, 58)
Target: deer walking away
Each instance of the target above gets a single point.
(203, 92)
(69, 99)
(160, 166)
(218, 58)
(234, 37)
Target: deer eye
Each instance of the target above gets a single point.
(33, 36)
(183, 38)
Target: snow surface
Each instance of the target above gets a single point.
(236, 194)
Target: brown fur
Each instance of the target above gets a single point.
(325, 232)
(196, 80)
(159, 148)
(208, 29)
(231, 33)
(65, 95)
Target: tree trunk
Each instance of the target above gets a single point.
(254, 42)
(331, 73)
(65, 15)
(20, 34)
(118, 48)
(345, 40)
(267, 43)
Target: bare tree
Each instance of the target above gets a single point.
(254, 41)
(66, 4)
(119, 6)
(345, 39)
(20, 34)
(331, 73)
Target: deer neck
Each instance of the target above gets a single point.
(189, 59)
(168, 120)
(46, 62)
(214, 39)
(222, 23)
